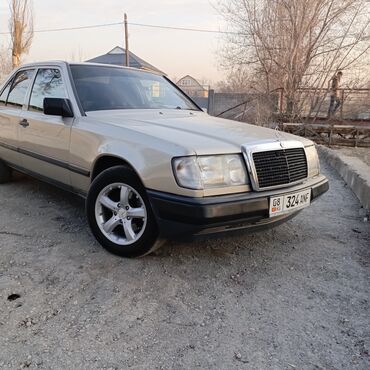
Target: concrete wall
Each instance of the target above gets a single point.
(354, 172)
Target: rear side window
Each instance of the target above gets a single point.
(19, 88)
(5, 93)
(48, 84)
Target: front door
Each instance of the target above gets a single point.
(44, 140)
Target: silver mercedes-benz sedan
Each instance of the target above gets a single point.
(150, 163)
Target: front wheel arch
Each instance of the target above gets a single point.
(107, 161)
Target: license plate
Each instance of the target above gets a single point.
(289, 202)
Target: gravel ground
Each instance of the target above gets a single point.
(295, 297)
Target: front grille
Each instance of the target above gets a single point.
(279, 167)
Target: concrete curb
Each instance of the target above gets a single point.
(353, 171)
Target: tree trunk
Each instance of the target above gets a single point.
(16, 60)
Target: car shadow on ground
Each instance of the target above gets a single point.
(68, 211)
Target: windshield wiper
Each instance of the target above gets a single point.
(179, 108)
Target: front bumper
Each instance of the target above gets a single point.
(185, 217)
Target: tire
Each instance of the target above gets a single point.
(5, 173)
(120, 215)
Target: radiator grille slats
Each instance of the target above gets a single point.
(280, 167)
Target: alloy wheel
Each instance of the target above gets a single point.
(121, 214)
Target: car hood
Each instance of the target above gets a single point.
(195, 131)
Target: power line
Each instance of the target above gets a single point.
(71, 28)
(183, 28)
(131, 24)
(143, 25)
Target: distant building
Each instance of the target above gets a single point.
(117, 56)
(192, 87)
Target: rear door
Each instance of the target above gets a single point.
(12, 101)
(43, 139)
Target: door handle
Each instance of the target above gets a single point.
(24, 123)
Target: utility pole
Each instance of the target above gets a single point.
(126, 42)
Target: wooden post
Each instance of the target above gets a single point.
(126, 42)
(331, 135)
(341, 104)
(281, 102)
(245, 108)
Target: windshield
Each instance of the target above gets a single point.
(106, 88)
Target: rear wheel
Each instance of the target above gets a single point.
(120, 215)
(5, 173)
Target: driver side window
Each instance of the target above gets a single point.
(48, 84)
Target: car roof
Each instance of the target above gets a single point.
(61, 63)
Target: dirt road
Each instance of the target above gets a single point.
(295, 297)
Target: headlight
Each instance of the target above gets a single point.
(205, 172)
(312, 161)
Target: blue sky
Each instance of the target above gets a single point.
(176, 52)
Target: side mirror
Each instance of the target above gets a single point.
(58, 107)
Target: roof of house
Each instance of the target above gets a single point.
(196, 83)
(117, 56)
